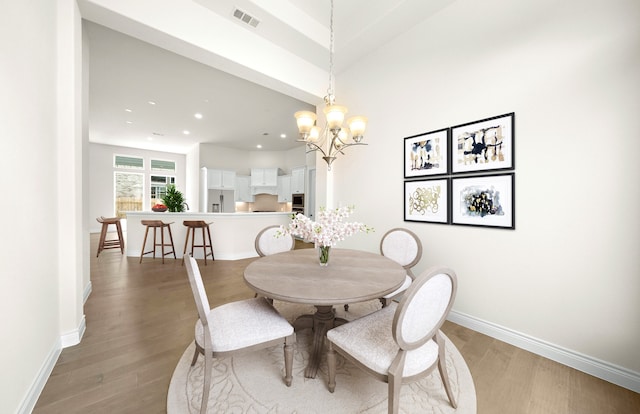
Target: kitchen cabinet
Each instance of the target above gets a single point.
(284, 188)
(297, 180)
(221, 179)
(243, 188)
(264, 177)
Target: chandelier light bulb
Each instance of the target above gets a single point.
(335, 116)
(314, 134)
(357, 125)
(306, 120)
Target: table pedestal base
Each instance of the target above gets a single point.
(321, 321)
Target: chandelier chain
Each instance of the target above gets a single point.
(331, 91)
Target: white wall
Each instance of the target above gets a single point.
(40, 300)
(568, 275)
(214, 156)
(101, 178)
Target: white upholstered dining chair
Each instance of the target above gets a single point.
(404, 247)
(268, 242)
(400, 343)
(235, 327)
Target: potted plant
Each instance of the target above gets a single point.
(173, 199)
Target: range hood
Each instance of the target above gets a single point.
(264, 190)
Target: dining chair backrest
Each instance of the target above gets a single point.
(270, 241)
(197, 287)
(402, 246)
(424, 307)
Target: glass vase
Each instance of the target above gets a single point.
(323, 255)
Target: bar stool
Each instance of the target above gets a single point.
(113, 243)
(192, 225)
(157, 224)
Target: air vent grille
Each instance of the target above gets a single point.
(246, 18)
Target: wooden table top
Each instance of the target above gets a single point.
(352, 276)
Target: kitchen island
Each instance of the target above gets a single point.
(232, 234)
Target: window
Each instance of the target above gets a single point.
(124, 161)
(160, 165)
(133, 175)
(159, 187)
(128, 192)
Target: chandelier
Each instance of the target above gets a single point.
(334, 136)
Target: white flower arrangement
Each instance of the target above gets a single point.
(328, 230)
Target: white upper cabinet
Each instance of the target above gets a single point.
(221, 179)
(297, 180)
(284, 188)
(243, 189)
(264, 177)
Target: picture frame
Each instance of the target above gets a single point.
(427, 154)
(427, 201)
(487, 201)
(484, 145)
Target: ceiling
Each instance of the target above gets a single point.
(145, 96)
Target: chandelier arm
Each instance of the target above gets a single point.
(315, 147)
(349, 145)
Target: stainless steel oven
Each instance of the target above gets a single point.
(297, 203)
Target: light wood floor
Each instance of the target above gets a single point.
(140, 319)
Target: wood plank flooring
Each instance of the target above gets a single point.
(140, 319)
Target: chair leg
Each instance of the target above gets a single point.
(186, 243)
(210, 244)
(394, 394)
(288, 360)
(162, 243)
(204, 247)
(144, 243)
(103, 236)
(193, 243)
(173, 249)
(208, 359)
(331, 362)
(195, 356)
(120, 238)
(442, 368)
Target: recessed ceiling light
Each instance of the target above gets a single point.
(186, 132)
(283, 135)
(128, 110)
(198, 115)
(258, 146)
(152, 103)
(149, 138)
(129, 122)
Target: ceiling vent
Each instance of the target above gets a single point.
(246, 18)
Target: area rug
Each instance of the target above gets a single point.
(253, 383)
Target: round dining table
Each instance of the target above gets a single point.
(296, 276)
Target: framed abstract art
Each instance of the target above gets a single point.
(487, 201)
(427, 201)
(483, 145)
(426, 154)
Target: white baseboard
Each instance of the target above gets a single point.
(65, 340)
(41, 380)
(73, 338)
(87, 292)
(593, 366)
